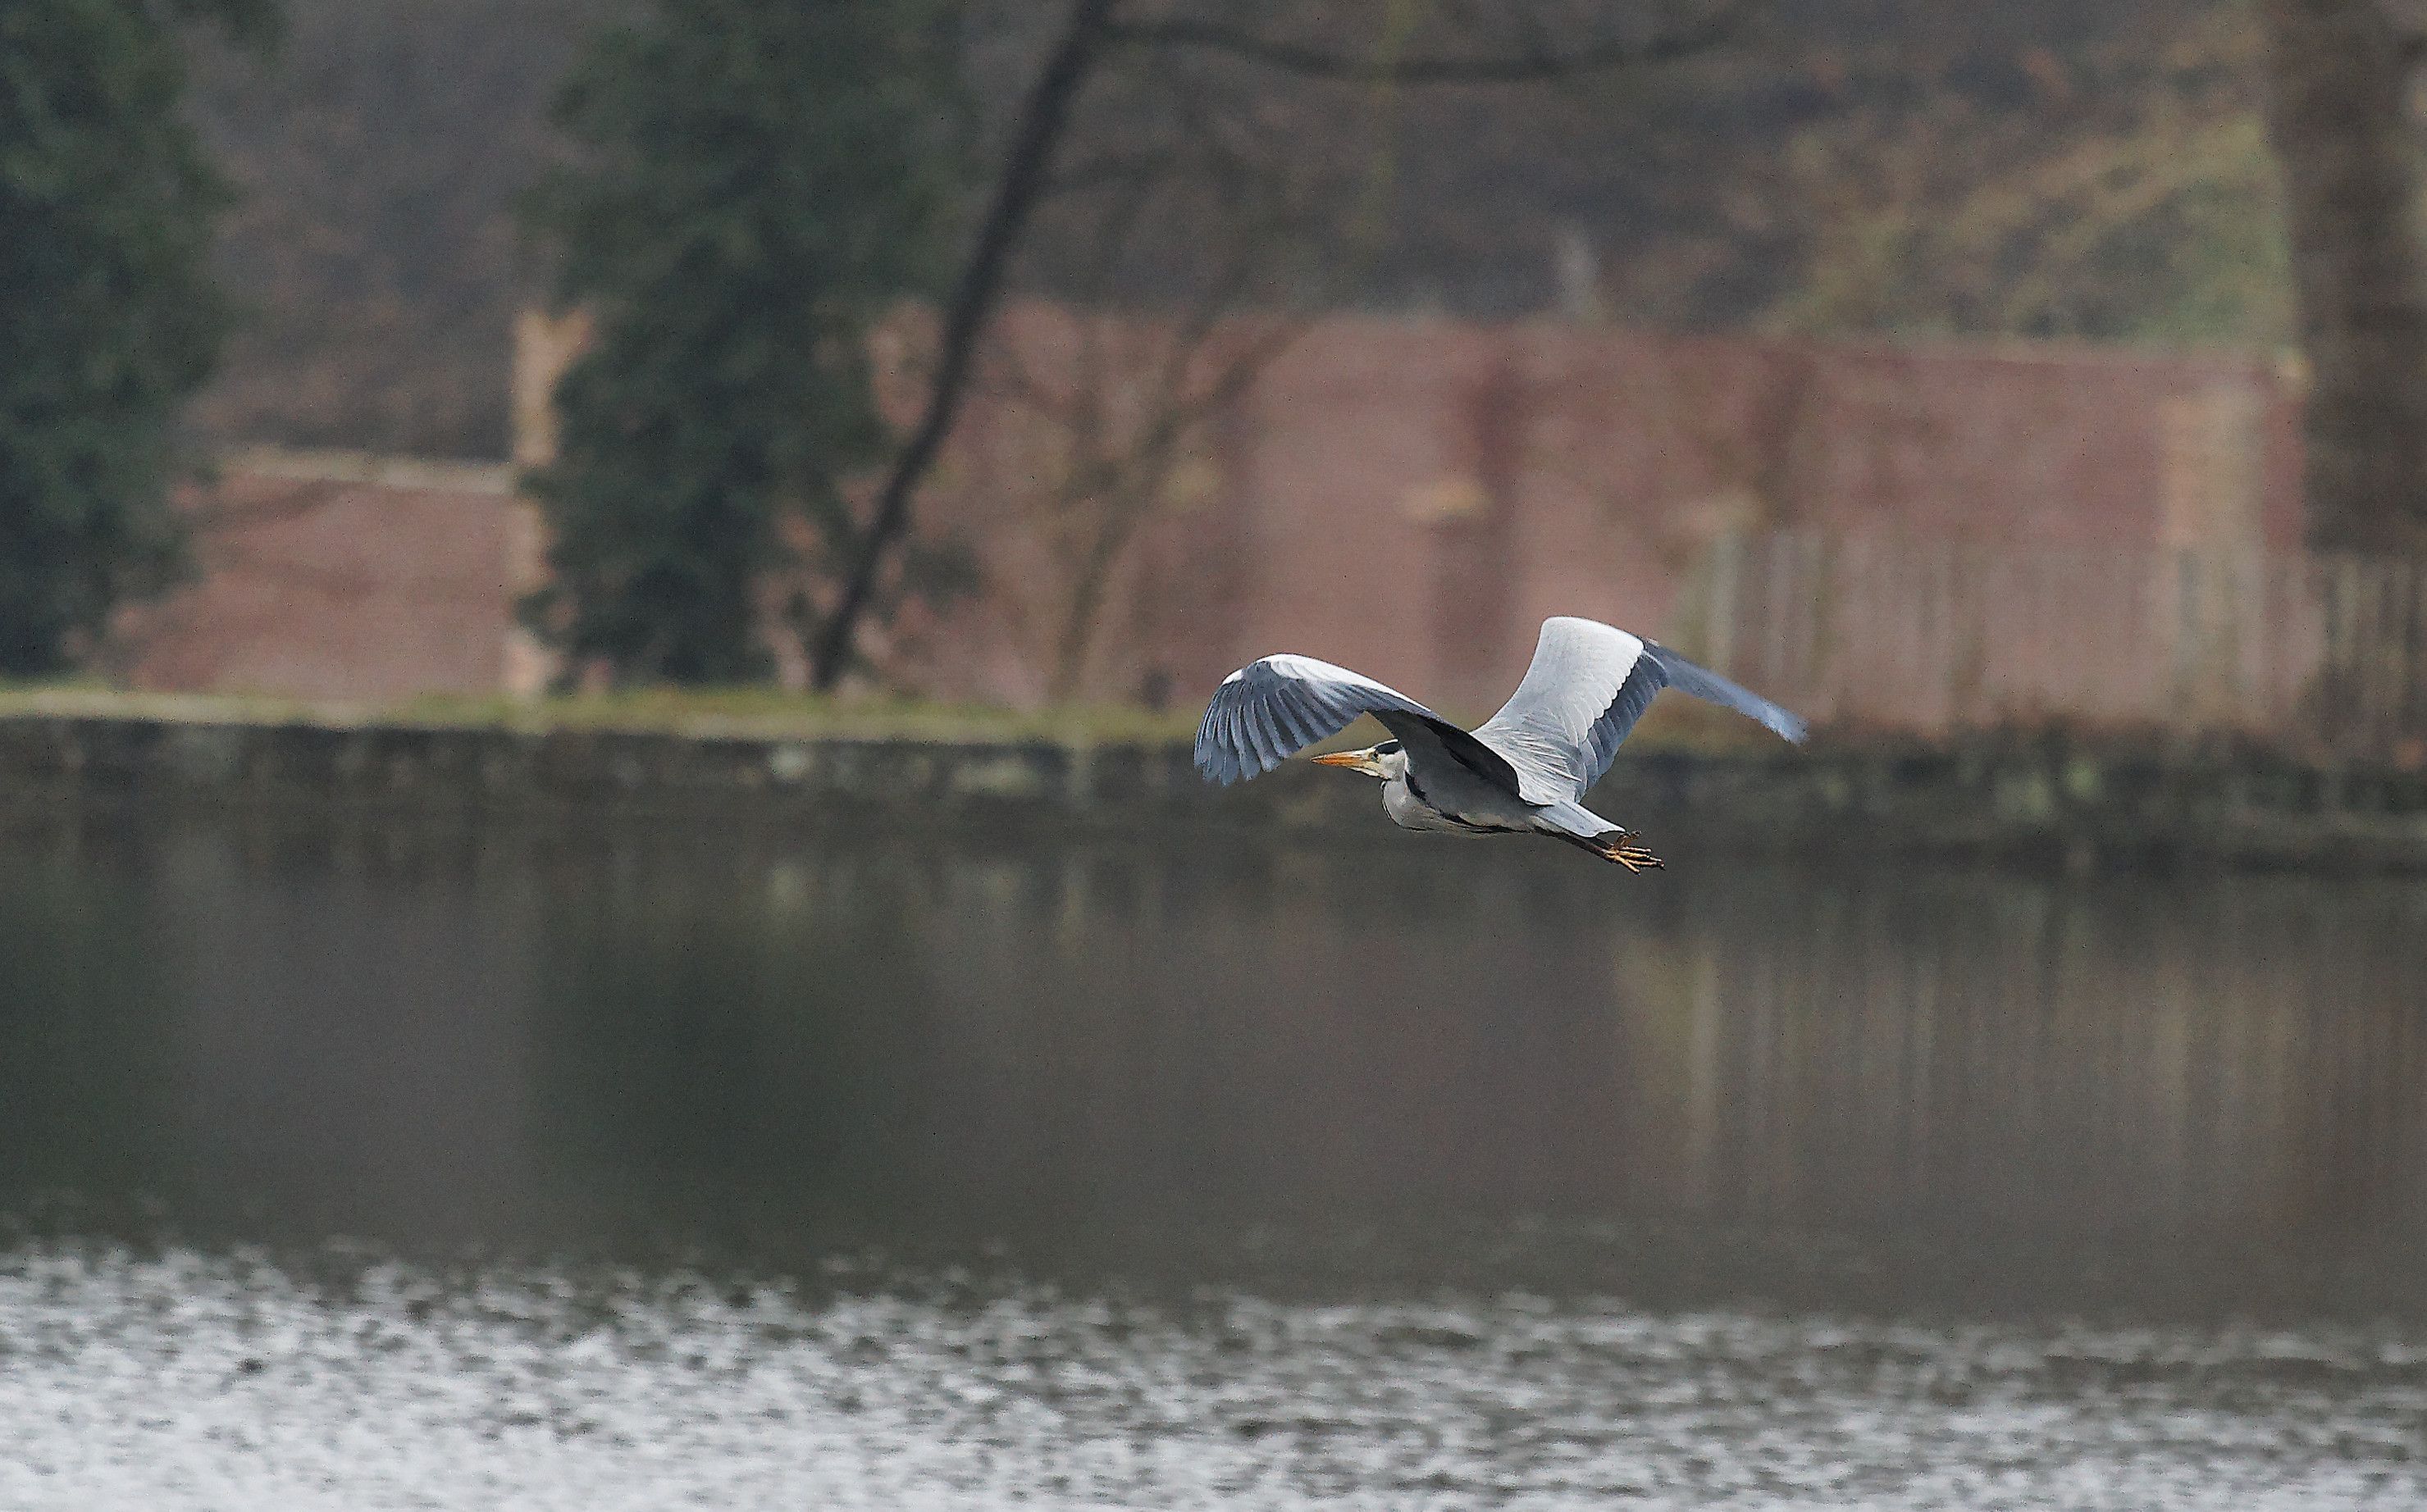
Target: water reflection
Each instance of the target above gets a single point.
(1368, 1068)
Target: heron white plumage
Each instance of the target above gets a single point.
(1523, 771)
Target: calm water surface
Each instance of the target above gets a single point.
(363, 1166)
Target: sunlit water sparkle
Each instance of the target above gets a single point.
(197, 1381)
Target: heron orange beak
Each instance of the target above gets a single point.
(1354, 760)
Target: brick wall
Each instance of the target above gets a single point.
(330, 576)
(1413, 498)
(1409, 497)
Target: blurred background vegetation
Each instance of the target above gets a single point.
(746, 196)
(2048, 169)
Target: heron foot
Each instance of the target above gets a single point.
(1621, 848)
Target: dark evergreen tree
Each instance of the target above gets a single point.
(760, 182)
(109, 319)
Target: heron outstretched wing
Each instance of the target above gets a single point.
(1272, 709)
(1589, 684)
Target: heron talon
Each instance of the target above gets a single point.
(1622, 850)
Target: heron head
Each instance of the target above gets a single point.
(1385, 760)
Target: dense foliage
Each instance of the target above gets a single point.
(760, 182)
(109, 317)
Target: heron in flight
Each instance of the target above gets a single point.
(1523, 771)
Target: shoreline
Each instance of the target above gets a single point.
(2038, 801)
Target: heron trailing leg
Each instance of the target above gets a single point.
(1634, 858)
(1619, 846)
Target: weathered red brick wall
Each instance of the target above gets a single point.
(1409, 497)
(1413, 498)
(331, 577)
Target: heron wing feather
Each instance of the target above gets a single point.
(1272, 709)
(1587, 687)
(1688, 678)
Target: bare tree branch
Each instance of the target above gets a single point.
(1026, 171)
(1027, 179)
(1533, 65)
(1137, 394)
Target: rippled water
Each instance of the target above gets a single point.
(184, 1381)
(359, 1167)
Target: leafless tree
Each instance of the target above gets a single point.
(1409, 43)
(1119, 409)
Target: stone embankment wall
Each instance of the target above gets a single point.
(2039, 801)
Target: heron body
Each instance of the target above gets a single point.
(1523, 771)
(1455, 802)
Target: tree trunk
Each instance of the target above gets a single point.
(2338, 73)
(1035, 141)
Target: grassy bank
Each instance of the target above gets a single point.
(1674, 723)
(710, 713)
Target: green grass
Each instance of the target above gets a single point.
(1673, 723)
(728, 711)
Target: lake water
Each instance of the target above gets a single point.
(356, 1165)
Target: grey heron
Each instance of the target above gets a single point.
(1524, 771)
